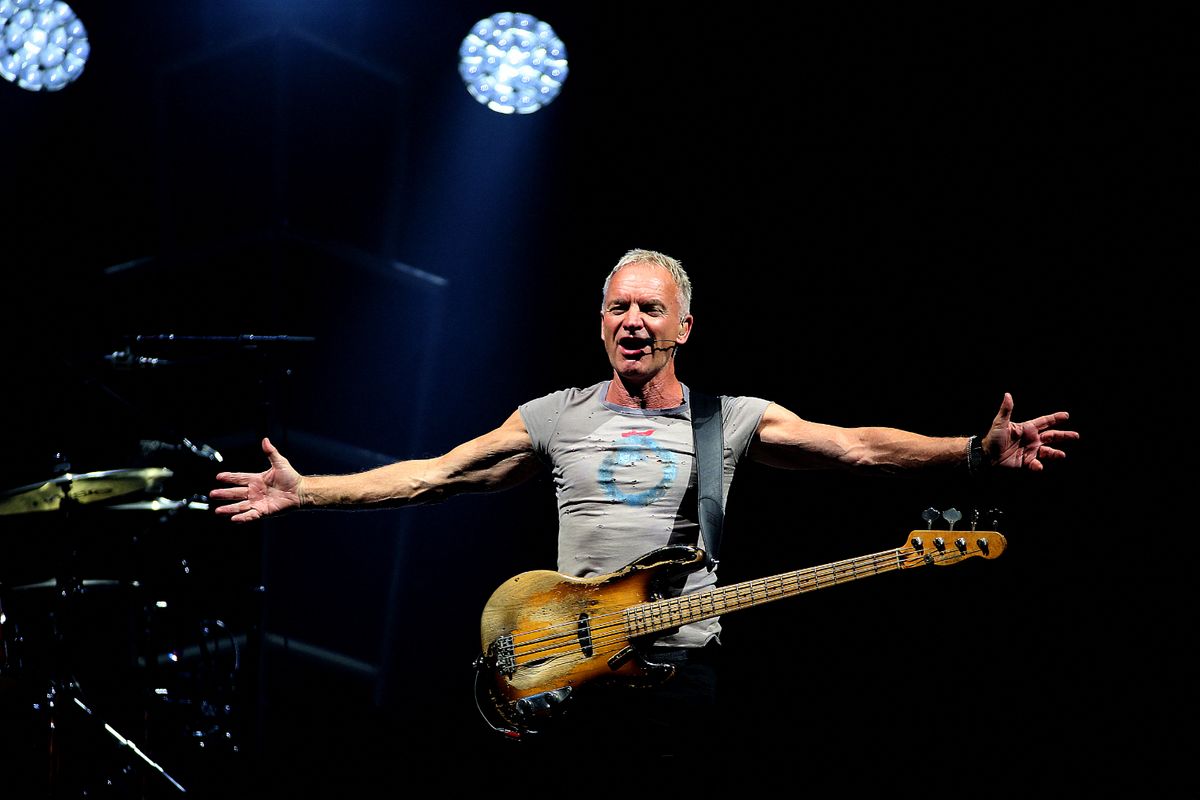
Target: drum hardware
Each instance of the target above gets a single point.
(194, 671)
(68, 712)
(144, 350)
(195, 503)
(90, 488)
(50, 630)
(125, 359)
(43, 672)
(160, 673)
(185, 444)
(128, 744)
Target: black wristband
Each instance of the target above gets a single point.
(974, 455)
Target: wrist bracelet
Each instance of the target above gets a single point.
(974, 455)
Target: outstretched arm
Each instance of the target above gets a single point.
(785, 440)
(496, 460)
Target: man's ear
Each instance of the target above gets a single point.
(685, 330)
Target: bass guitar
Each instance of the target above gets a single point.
(544, 635)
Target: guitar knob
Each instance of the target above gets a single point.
(939, 543)
(961, 544)
(917, 543)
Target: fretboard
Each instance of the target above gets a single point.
(661, 615)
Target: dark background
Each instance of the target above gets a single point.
(889, 218)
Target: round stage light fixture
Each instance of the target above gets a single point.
(513, 62)
(43, 45)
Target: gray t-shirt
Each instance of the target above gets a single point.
(626, 482)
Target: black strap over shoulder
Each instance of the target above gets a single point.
(710, 456)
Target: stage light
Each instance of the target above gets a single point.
(513, 63)
(43, 45)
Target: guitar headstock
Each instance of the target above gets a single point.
(949, 547)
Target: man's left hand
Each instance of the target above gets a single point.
(1024, 445)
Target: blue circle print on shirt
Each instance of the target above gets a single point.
(637, 448)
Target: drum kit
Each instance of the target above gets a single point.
(130, 618)
(114, 670)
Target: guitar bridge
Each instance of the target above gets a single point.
(502, 655)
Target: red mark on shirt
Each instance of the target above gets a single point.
(627, 434)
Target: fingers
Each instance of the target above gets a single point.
(1059, 436)
(239, 512)
(1004, 415)
(1049, 420)
(1044, 453)
(239, 478)
(274, 456)
(1049, 453)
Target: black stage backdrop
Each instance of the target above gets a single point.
(890, 217)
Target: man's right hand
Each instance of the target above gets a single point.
(260, 494)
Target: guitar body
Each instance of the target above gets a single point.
(545, 634)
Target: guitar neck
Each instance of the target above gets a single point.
(662, 615)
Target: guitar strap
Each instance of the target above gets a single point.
(710, 469)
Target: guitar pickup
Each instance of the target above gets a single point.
(585, 635)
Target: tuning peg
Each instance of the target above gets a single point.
(974, 519)
(995, 514)
(952, 515)
(930, 515)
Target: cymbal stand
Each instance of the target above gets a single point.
(62, 689)
(127, 744)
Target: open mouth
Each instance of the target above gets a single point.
(634, 345)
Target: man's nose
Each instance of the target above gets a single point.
(633, 319)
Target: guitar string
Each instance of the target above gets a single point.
(731, 598)
(787, 583)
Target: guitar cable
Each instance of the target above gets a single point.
(509, 732)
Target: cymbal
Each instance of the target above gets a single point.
(52, 583)
(159, 504)
(83, 489)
